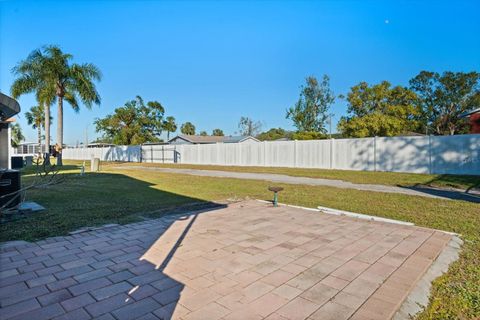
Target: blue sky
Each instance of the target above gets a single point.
(212, 62)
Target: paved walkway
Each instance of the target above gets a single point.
(280, 178)
(246, 261)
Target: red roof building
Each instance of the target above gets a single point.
(474, 120)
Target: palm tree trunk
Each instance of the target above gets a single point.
(39, 132)
(60, 130)
(47, 135)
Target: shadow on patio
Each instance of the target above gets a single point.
(117, 270)
(160, 255)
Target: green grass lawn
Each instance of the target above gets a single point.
(127, 195)
(463, 182)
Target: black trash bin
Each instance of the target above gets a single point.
(9, 183)
(17, 162)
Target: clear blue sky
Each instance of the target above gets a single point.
(212, 62)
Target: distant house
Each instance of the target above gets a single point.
(100, 145)
(410, 134)
(29, 148)
(91, 145)
(195, 139)
(474, 119)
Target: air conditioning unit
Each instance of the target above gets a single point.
(9, 183)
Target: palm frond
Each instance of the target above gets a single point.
(46, 94)
(72, 101)
(23, 84)
(89, 70)
(82, 77)
(30, 64)
(56, 53)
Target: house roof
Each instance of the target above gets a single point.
(211, 139)
(238, 139)
(25, 143)
(8, 107)
(469, 113)
(100, 144)
(410, 134)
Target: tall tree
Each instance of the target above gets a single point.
(16, 135)
(443, 97)
(308, 135)
(133, 123)
(169, 125)
(249, 127)
(188, 128)
(310, 113)
(36, 118)
(217, 132)
(274, 134)
(380, 110)
(50, 70)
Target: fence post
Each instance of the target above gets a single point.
(295, 153)
(151, 153)
(198, 153)
(264, 153)
(375, 153)
(239, 147)
(225, 162)
(163, 154)
(430, 154)
(331, 152)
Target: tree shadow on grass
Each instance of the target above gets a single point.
(471, 182)
(143, 251)
(447, 194)
(91, 200)
(470, 194)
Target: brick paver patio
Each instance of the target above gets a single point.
(246, 261)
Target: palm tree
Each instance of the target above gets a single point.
(16, 135)
(169, 125)
(36, 118)
(188, 128)
(30, 78)
(217, 132)
(48, 71)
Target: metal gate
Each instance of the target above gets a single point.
(159, 154)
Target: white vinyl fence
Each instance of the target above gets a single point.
(144, 153)
(117, 153)
(458, 154)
